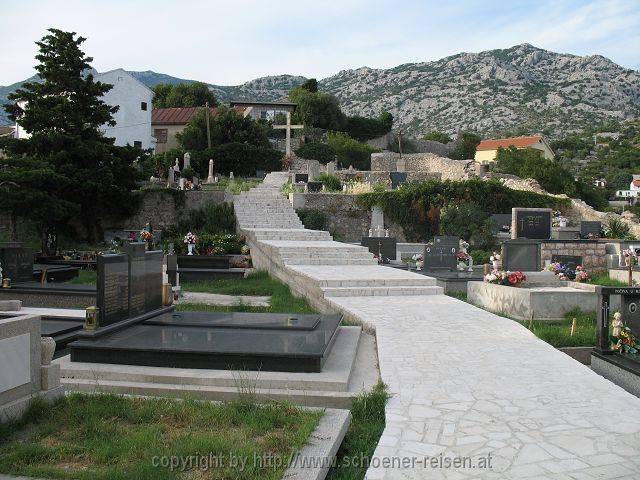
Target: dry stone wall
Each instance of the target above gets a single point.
(447, 168)
(592, 252)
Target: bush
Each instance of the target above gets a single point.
(317, 151)
(211, 219)
(416, 206)
(313, 219)
(618, 229)
(436, 136)
(350, 151)
(332, 183)
(480, 257)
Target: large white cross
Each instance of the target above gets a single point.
(288, 128)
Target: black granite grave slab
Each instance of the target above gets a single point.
(630, 310)
(314, 187)
(397, 178)
(237, 320)
(521, 255)
(153, 262)
(112, 288)
(571, 261)
(198, 343)
(588, 227)
(385, 246)
(17, 262)
(301, 177)
(137, 278)
(501, 222)
(533, 224)
(442, 253)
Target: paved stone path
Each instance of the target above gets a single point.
(465, 382)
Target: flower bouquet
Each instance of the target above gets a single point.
(190, 239)
(506, 278)
(624, 342)
(146, 236)
(495, 260)
(581, 274)
(419, 260)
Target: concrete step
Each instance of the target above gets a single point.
(382, 291)
(379, 282)
(328, 261)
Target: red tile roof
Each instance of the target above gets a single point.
(518, 142)
(175, 116)
(180, 115)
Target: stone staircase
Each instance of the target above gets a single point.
(278, 236)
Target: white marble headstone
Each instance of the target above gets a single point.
(15, 361)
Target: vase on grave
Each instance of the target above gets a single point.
(47, 349)
(190, 248)
(419, 264)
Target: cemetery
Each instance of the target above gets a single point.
(407, 307)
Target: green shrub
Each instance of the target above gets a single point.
(211, 219)
(188, 173)
(416, 206)
(436, 136)
(317, 151)
(480, 257)
(332, 183)
(313, 219)
(618, 229)
(350, 151)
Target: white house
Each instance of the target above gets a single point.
(133, 118)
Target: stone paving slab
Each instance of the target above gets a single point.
(51, 312)
(217, 299)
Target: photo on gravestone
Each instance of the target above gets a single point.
(112, 288)
(522, 256)
(571, 261)
(590, 229)
(533, 224)
(137, 278)
(442, 253)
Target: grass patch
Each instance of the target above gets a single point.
(459, 295)
(604, 280)
(85, 276)
(113, 437)
(257, 283)
(367, 424)
(558, 333)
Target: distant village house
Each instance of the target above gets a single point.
(487, 150)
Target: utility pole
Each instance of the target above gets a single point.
(400, 142)
(208, 129)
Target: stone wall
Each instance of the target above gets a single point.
(592, 252)
(437, 148)
(424, 162)
(159, 208)
(347, 221)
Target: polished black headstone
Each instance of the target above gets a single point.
(153, 262)
(521, 255)
(112, 288)
(397, 178)
(301, 177)
(261, 173)
(571, 261)
(501, 222)
(533, 224)
(314, 187)
(16, 262)
(137, 278)
(630, 310)
(442, 253)
(590, 228)
(237, 320)
(385, 246)
(172, 268)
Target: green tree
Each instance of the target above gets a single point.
(310, 85)
(465, 148)
(227, 126)
(317, 109)
(316, 151)
(436, 136)
(195, 94)
(350, 151)
(62, 113)
(362, 128)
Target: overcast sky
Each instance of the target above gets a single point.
(233, 41)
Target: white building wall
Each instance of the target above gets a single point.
(133, 124)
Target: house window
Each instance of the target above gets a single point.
(263, 114)
(137, 144)
(160, 134)
(143, 106)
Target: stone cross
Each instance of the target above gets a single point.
(287, 129)
(210, 176)
(187, 160)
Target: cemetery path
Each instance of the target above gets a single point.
(474, 395)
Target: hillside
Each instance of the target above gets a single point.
(520, 89)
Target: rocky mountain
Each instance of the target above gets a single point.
(520, 89)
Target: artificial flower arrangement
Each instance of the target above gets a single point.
(566, 273)
(495, 257)
(244, 250)
(624, 342)
(131, 237)
(630, 257)
(557, 219)
(506, 278)
(146, 236)
(190, 239)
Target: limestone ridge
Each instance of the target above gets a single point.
(491, 92)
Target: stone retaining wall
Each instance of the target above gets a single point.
(592, 252)
(424, 162)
